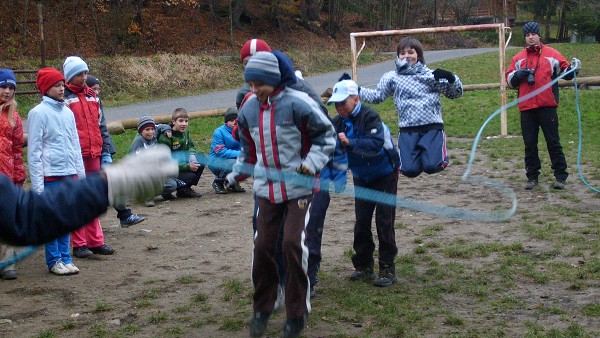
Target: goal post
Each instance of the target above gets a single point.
(500, 28)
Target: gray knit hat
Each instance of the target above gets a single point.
(263, 67)
(144, 122)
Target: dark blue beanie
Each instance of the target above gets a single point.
(263, 67)
(7, 77)
(532, 27)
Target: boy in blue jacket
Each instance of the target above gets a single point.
(374, 161)
(223, 152)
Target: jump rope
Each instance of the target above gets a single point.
(295, 178)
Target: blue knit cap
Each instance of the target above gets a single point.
(263, 67)
(7, 77)
(532, 27)
(74, 65)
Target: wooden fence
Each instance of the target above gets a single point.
(24, 78)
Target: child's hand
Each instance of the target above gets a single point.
(343, 139)
(194, 166)
(443, 74)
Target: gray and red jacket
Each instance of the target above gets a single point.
(288, 131)
(547, 63)
(86, 109)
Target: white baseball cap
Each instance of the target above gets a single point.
(342, 90)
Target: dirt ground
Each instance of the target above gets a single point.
(195, 246)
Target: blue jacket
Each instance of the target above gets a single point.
(371, 153)
(223, 144)
(28, 218)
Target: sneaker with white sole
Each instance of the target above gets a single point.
(72, 268)
(60, 269)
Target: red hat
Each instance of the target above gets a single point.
(46, 78)
(253, 46)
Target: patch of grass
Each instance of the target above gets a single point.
(98, 330)
(152, 294)
(174, 331)
(158, 317)
(199, 297)
(46, 334)
(591, 310)
(103, 307)
(186, 280)
(232, 324)
(143, 303)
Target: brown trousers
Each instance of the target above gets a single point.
(292, 216)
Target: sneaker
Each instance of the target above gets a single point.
(219, 188)
(293, 327)
(150, 202)
(168, 197)
(60, 269)
(362, 274)
(187, 192)
(559, 184)
(258, 324)
(280, 302)
(82, 252)
(72, 268)
(530, 184)
(131, 220)
(236, 187)
(103, 250)
(387, 276)
(8, 275)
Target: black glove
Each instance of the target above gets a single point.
(521, 74)
(443, 74)
(345, 76)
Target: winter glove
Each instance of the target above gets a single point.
(345, 76)
(576, 65)
(302, 169)
(139, 176)
(521, 74)
(443, 74)
(105, 159)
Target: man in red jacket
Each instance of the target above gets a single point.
(532, 68)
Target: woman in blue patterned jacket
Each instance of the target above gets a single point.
(416, 90)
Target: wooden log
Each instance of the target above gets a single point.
(589, 81)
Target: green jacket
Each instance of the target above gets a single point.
(182, 147)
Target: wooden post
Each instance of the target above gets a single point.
(413, 31)
(354, 58)
(42, 46)
(502, 49)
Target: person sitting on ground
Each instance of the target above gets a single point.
(126, 217)
(223, 152)
(147, 137)
(184, 151)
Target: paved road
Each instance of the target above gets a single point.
(367, 76)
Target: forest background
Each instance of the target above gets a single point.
(150, 49)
